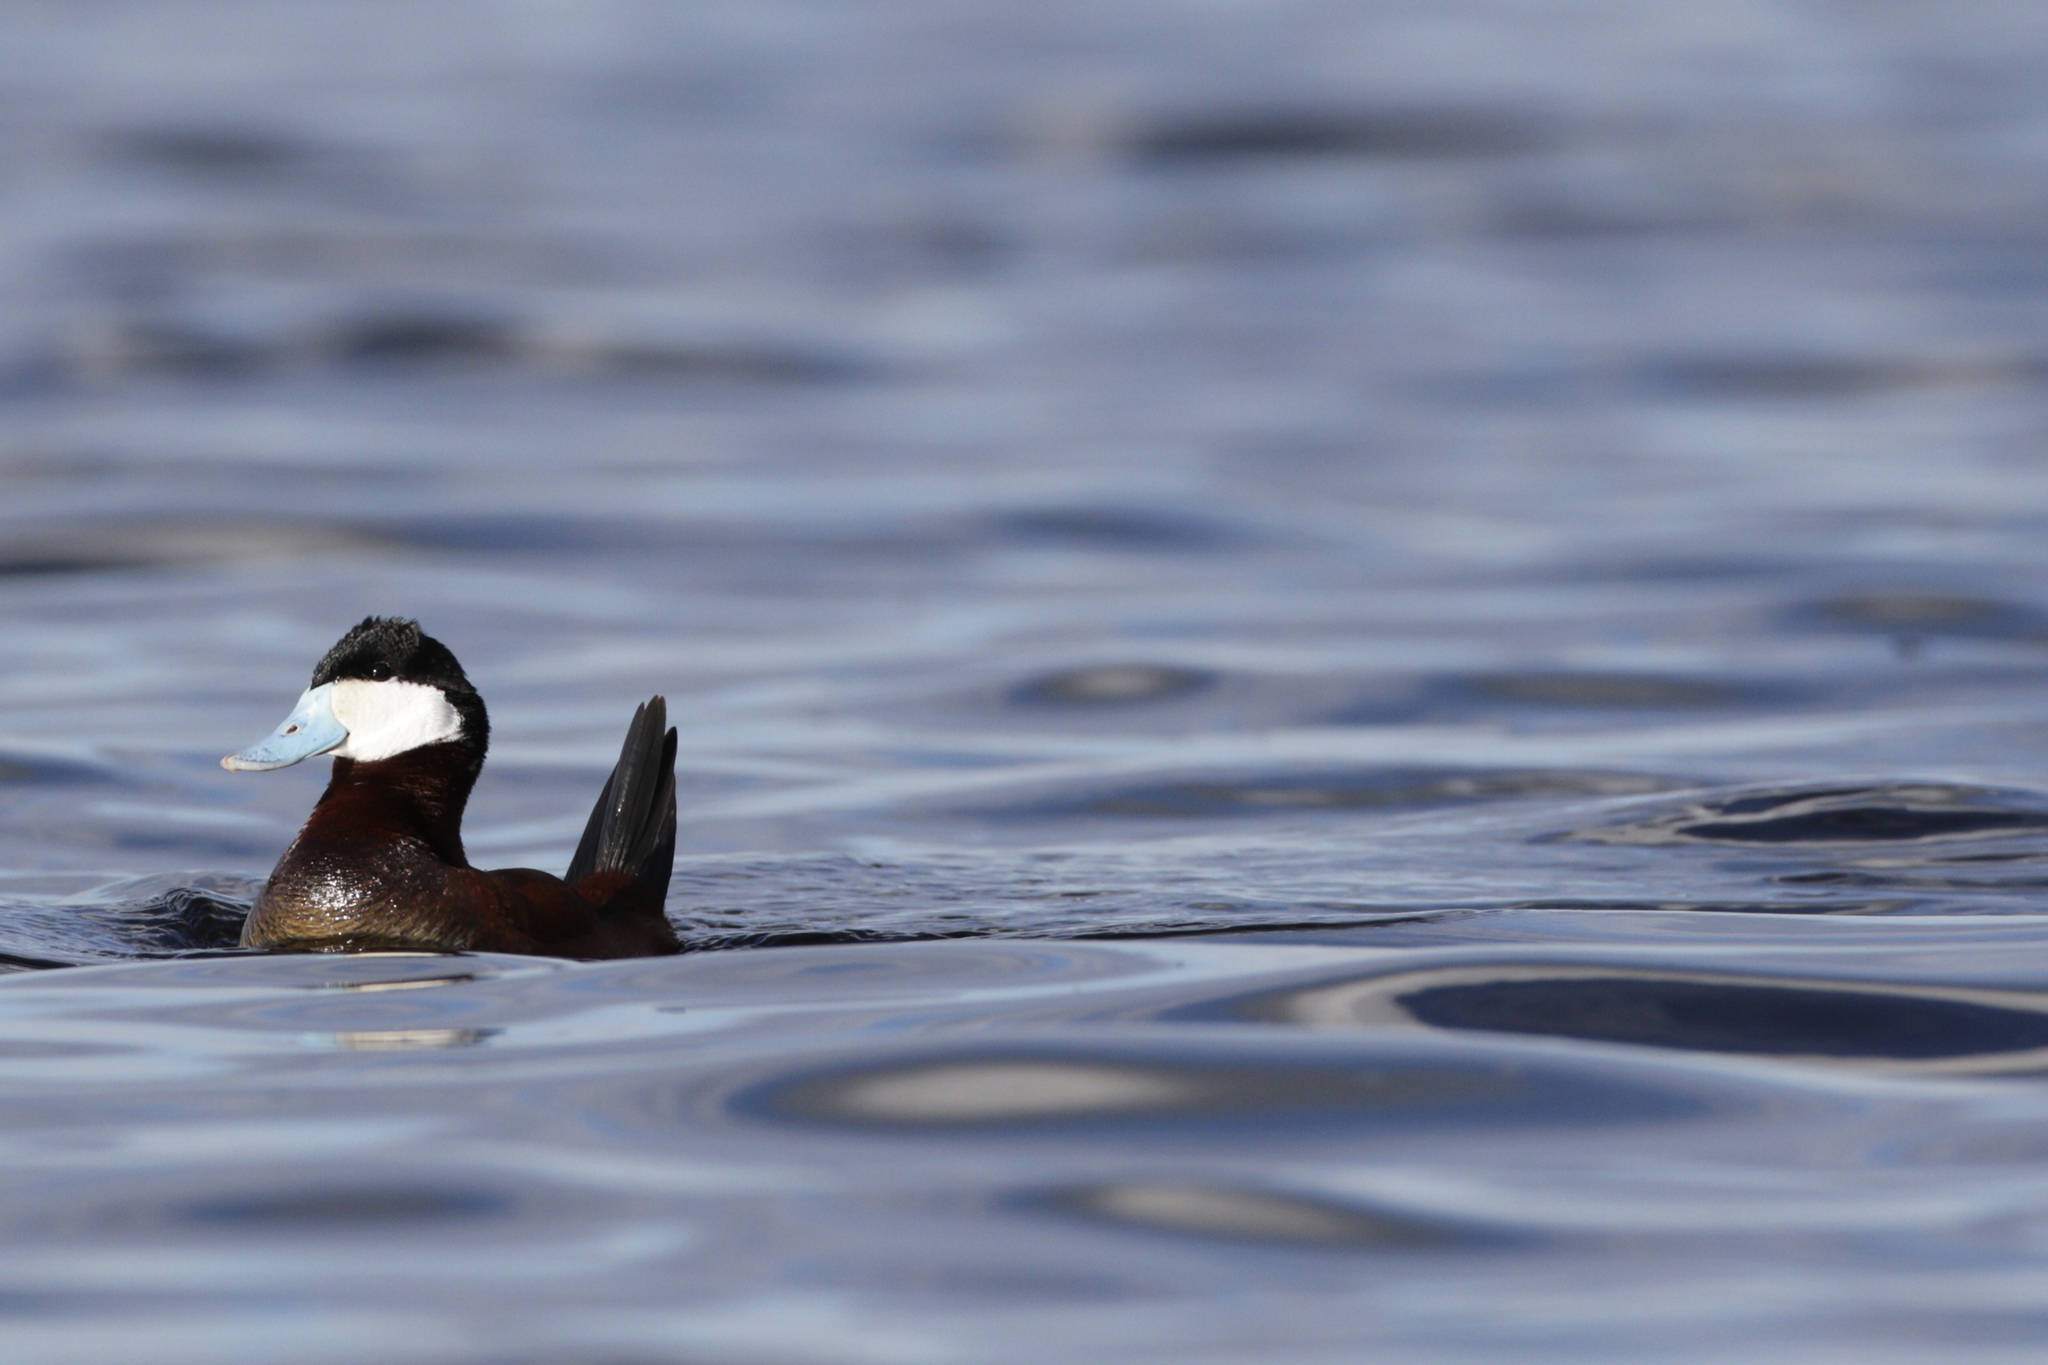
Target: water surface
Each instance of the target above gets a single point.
(1352, 680)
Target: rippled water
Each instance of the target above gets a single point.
(1353, 680)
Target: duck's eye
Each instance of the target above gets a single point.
(379, 672)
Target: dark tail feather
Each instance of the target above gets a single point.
(633, 827)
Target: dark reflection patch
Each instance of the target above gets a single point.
(998, 1092)
(1724, 1016)
(1282, 1218)
(2016, 871)
(1112, 685)
(372, 1206)
(1916, 1027)
(177, 347)
(40, 771)
(1916, 613)
(1897, 812)
(417, 338)
(1419, 132)
(1857, 824)
(1114, 528)
(1613, 691)
(215, 151)
(1782, 377)
(1369, 789)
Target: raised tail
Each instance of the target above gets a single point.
(633, 827)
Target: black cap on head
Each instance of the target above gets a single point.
(392, 648)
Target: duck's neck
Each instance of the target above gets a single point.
(418, 794)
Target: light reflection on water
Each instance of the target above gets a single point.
(945, 1129)
(1350, 678)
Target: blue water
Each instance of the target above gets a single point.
(1353, 681)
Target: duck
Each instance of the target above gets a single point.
(379, 864)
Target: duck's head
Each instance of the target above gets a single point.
(385, 689)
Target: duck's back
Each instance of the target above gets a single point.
(602, 916)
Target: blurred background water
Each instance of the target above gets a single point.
(1440, 604)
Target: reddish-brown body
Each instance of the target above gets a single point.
(379, 864)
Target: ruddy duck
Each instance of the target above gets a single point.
(379, 863)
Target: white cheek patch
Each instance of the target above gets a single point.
(385, 719)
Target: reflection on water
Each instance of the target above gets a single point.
(1889, 814)
(1113, 684)
(1910, 1028)
(1395, 787)
(1280, 1094)
(948, 1129)
(392, 1038)
(1265, 1216)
